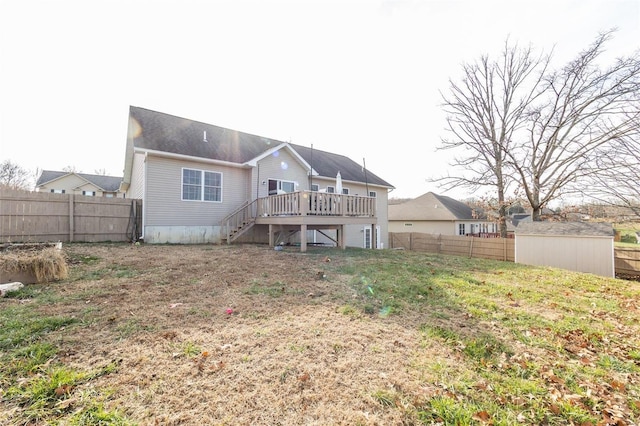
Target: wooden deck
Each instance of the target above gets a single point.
(302, 211)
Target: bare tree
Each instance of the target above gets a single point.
(101, 172)
(71, 169)
(617, 182)
(484, 112)
(527, 131)
(585, 111)
(13, 176)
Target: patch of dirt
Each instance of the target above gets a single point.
(235, 335)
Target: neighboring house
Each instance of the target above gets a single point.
(202, 183)
(79, 183)
(576, 246)
(438, 214)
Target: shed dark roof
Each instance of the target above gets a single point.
(431, 206)
(565, 228)
(106, 183)
(167, 133)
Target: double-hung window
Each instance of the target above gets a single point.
(201, 185)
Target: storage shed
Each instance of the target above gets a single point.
(576, 246)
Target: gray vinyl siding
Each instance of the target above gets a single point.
(271, 167)
(136, 189)
(164, 204)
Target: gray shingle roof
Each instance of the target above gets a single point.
(328, 164)
(431, 206)
(167, 133)
(106, 183)
(565, 228)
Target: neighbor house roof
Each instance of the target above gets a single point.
(431, 206)
(599, 229)
(105, 183)
(156, 131)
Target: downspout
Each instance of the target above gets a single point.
(258, 181)
(144, 197)
(311, 167)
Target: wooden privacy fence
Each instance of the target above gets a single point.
(41, 217)
(485, 248)
(627, 260)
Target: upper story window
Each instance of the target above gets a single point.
(201, 185)
(331, 189)
(315, 187)
(373, 194)
(345, 191)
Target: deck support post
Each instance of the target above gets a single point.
(303, 238)
(271, 236)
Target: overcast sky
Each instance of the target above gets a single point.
(358, 78)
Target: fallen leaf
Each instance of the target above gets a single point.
(617, 385)
(482, 416)
(61, 390)
(66, 403)
(304, 377)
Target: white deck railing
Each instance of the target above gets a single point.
(308, 203)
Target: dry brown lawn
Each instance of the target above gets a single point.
(288, 353)
(246, 335)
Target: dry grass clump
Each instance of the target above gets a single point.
(46, 265)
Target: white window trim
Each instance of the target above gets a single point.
(202, 172)
(375, 194)
(279, 183)
(345, 191)
(333, 189)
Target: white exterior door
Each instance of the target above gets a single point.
(368, 240)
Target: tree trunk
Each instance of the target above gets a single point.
(536, 208)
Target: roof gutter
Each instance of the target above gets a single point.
(183, 157)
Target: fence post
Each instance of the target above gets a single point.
(410, 240)
(71, 225)
(504, 248)
(471, 248)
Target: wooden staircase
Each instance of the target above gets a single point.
(239, 222)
